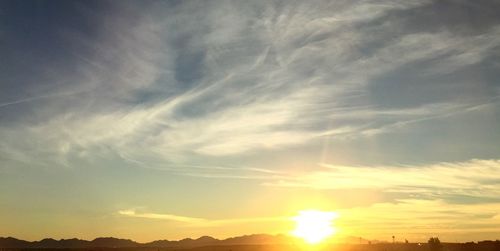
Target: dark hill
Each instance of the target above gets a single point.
(13, 242)
(110, 242)
(113, 242)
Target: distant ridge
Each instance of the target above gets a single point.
(111, 242)
(254, 239)
(10, 242)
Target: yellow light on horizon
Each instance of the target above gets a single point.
(314, 226)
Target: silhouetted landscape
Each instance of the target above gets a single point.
(256, 242)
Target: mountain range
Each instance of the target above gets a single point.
(111, 242)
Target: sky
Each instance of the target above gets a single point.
(171, 119)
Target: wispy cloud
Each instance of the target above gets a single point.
(30, 99)
(296, 75)
(199, 222)
(478, 178)
(132, 213)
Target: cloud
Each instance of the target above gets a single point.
(132, 213)
(163, 88)
(469, 182)
(199, 222)
(476, 178)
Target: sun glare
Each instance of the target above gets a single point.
(314, 226)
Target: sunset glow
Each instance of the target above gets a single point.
(314, 226)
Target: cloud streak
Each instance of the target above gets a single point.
(256, 93)
(200, 222)
(476, 178)
(132, 213)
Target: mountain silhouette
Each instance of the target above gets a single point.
(204, 241)
(111, 242)
(13, 243)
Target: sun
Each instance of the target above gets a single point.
(314, 226)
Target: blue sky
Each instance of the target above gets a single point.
(121, 114)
